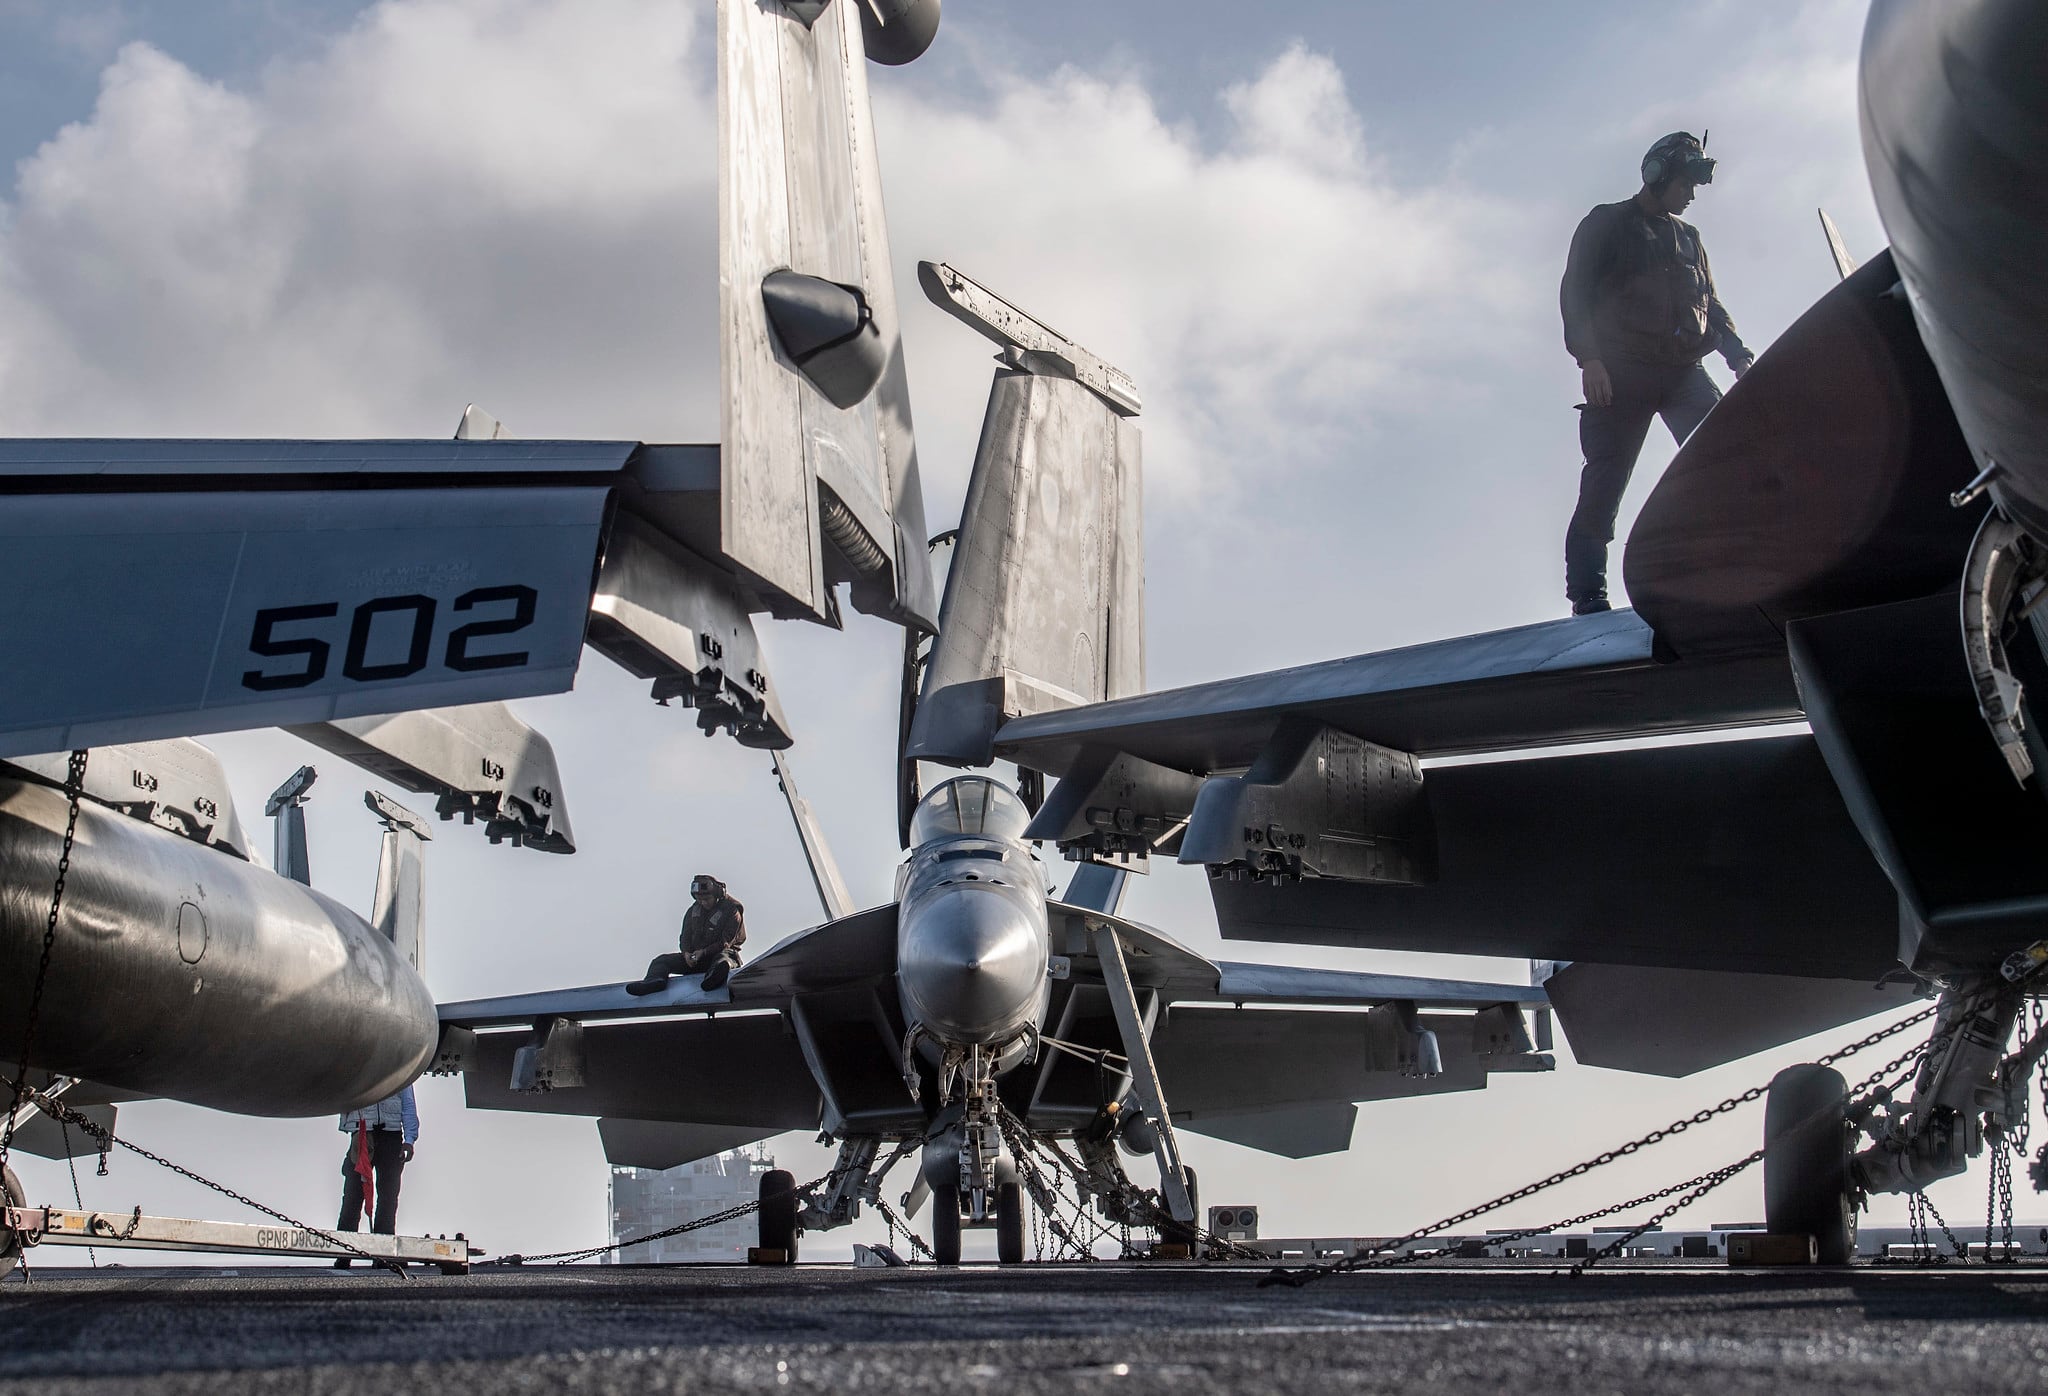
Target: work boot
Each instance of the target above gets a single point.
(1591, 605)
(640, 988)
(714, 978)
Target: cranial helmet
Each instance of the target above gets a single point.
(705, 882)
(1680, 153)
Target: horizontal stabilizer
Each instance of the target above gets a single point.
(1674, 1022)
(1301, 1131)
(662, 1144)
(737, 1070)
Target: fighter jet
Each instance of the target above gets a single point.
(975, 1010)
(1855, 540)
(380, 599)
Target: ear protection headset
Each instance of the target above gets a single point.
(1677, 153)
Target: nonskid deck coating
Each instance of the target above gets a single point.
(1661, 1327)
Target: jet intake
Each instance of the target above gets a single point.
(1317, 803)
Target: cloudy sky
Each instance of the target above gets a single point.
(1324, 238)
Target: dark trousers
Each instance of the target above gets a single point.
(662, 966)
(1611, 438)
(387, 1162)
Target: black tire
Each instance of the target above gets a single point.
(946, 1225)
(1181, 1233)
(1010, 1223)
(10, 1244)
(778, 1212)
(1807, 1185)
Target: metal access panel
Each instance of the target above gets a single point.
(128, 617)
(800, 190)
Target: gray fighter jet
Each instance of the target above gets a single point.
(379, 598)
(975, 1006)
(1856, 539)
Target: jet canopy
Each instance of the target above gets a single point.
(969, 805)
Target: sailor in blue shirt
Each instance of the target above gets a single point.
(380, 1145)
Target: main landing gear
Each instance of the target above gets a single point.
(1967, 1095)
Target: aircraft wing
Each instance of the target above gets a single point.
(846, 951)
(1284, 1076)
(1288, 1082)
(682, 1074)
(1580, 679)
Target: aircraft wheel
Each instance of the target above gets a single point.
(1182, 1233)
(10, 1244)
(778, 1212)
(946, 1225)
(1807, 1184)
(1010, 1223)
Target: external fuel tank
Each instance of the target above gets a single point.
(184, 971)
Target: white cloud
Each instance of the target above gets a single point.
(509, 199)
(1259, 290)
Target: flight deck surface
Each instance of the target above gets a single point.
(1479, 1326)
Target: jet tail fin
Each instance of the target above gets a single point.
(832, 894)
(1839, 250)
(1044, 603)
(399, 908)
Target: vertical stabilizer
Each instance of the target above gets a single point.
(287, 805)
(1045, 600)
(818, 465)
(832, 894)
(399, 909)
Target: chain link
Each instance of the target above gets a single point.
(896, 1224)
(1962, 1252)
(77, 1198)
(1377, 1257)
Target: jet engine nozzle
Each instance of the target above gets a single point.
(971, 963)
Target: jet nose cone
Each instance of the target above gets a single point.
(971, 964)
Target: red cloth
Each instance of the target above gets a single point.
(363, 1169)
